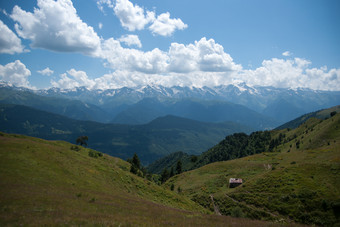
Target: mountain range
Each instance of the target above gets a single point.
(257, 107)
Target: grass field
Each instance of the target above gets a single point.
(54, 183)
(299, 181)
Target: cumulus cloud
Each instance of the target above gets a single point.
(73, 79)
(165, 26)
(9, 42)
(120, 58)
(204, 55)
(286, 54)
(15, 73)
(292, 73)
(132, 17)
(131, 40)
(55, 25)
(47, 71)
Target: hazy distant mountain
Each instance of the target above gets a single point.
(121, 104)
(268, 100)
(200, 110)
(151, 141)
(75, 109)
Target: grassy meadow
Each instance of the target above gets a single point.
(57, 183)
(298, 182)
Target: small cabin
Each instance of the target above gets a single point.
(234, 182)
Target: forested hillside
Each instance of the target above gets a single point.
(151, 141)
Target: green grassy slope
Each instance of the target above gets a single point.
(48, 183)
(321, 114)
(299, 181)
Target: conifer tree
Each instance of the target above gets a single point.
(179, 167)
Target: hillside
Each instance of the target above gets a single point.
(150, 141)
(233, 146)
(299, 181)
(47, 183)
(320, 114)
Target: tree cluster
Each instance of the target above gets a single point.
(166, 175)
(235, 146)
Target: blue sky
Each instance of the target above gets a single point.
(103, 44)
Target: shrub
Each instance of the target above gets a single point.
(237, 212)
(332, 113)
(75, 148)
(95, 154)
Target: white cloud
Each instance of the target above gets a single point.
(120, 58)
(100, 25)
(275, 72)
(165, 26)
(55, 25)
(131, 40)
(9, 42)
(132, 17)
(205, 55)
(76, 79)
(293, 73)
(47, 71)
(100, 4)
(286, 54)
(16, 73)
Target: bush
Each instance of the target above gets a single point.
(75, 148)
(237, 212)
(95, 154)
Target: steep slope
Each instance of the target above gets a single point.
(151, 141)
(47, 183)
(299, 180)
(233, 146)
(320, 114)
(169, 162)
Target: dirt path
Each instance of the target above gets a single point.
(216, 208)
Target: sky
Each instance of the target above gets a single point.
(105, 44)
